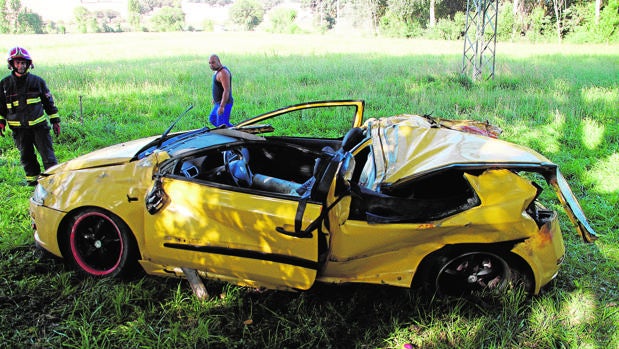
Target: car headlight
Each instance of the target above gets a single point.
(39, 195)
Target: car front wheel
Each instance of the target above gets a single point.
(101, 245)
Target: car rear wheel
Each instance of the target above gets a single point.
(101, 245)
(473, 272)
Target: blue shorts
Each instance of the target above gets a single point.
(224, 118)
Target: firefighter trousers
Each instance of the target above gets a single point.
(27, 139)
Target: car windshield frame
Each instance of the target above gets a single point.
(355, 121)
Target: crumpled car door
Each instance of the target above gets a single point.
(233, 235)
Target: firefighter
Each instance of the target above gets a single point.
(23, 98)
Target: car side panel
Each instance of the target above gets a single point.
(543, 252)
(233, 235)
(119, 189)
(390, 253)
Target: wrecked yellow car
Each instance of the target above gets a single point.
(404, 200)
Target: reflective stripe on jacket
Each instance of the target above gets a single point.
(24, 99)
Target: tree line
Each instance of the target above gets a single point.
(594, 21)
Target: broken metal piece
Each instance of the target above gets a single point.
(196, 283)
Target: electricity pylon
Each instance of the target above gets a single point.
(480, 38)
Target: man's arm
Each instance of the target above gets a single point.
(224, 78)
(48, 103)
(3, 109)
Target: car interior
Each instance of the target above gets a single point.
(272, 167)
(291, 166)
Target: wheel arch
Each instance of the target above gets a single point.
(502, 249)
(64, 227)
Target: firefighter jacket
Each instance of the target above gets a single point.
(23, 100)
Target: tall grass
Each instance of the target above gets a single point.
(561, 100)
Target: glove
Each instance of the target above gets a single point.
(56, 128)
(2, 126)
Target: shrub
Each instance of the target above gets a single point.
(208, 25)
(447, 29)
(282, 21)
(540, 25)
(506, 23)
(392, 26)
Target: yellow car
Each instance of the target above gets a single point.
(404, 200)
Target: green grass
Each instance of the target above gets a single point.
(561, 100)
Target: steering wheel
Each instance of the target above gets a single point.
(236, 164)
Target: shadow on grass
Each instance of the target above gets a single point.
(48, 305)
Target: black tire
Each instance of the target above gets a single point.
(467, 272)
(100, 244)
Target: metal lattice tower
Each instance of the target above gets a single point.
(480, 38)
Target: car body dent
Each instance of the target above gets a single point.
(108, 156)
(403, 246)
(543, 252)
(429, 148)
(118, 187)
(433, 149)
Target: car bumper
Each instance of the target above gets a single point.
(544, 252)
(46, 235)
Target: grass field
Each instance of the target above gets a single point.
(560, 100)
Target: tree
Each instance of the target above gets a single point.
(17, 20)
(506, 22)
(376, 9)
(270, 4)
(247, 13)
(81, 15)
(325, 11)
(608, 26)
(432, 13)
(213, 2)
(168, 19)
(558, 6)
(29, 22)
(411, 12)
(360, 14)
(10, 13)
(134, 13)
(4, 23)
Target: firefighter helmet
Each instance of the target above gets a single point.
(19, 53)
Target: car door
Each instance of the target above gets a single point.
(234, 234)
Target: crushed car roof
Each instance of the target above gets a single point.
(407, 146)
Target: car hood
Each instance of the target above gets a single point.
(112, 155)
(407, 146)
